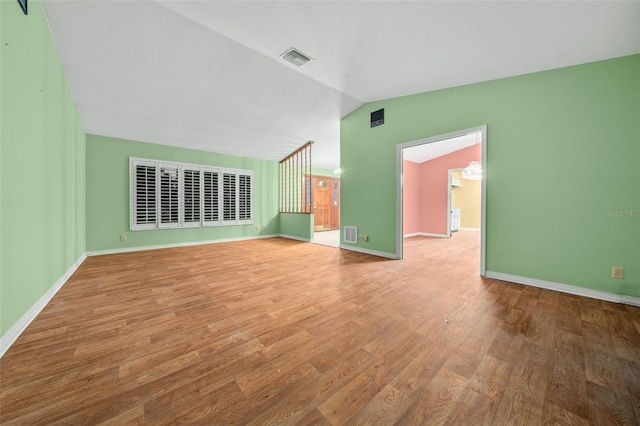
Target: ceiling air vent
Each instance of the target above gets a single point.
(295, 57)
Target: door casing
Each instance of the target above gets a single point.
(399, 188)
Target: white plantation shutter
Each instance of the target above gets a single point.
(211, 197)
(191, 196)
(229, 196)
(143, 210)
(245, 201)
(169, 201)
(178, 195)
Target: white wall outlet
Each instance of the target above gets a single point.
(617, 272)
(123, 237)
(257, 228)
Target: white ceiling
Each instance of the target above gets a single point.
(429, 151)
(208, 74)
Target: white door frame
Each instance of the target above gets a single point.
(483, 208)
(449, 233)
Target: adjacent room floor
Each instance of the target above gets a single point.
(327, 238)
(279, 331)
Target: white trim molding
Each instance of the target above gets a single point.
(18, 328)
(293, 237)
(425, 234)
(393, 256)
(173, 245)
(483, 203)
(566, 288)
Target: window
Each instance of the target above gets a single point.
(211, 201)
(169, 197)
(192, 196)
(144, 211)
(177, 195)
(244, 197)
(229, 196)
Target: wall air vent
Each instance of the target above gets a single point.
(351, 234)
(295, 57)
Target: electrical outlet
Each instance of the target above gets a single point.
(364, 238)
(123, 237)
(257, 228)
(617, 272)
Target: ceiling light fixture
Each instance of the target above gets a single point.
(296, 57)
(474, 170)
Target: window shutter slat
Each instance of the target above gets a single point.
(229, 196)
(169, 195)
(145, 194)
(191, 196)
(211, 197)
(244, 197)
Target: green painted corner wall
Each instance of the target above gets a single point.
(42, 156)
(297, 225)
(108, 195)
(563, 182)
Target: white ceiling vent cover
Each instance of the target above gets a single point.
(351, 234)
(296, 57)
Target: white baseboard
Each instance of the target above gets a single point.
(173, 245)
(565, 288)
(293, 237)
(372, 252)
(425, 234)
(14, 332)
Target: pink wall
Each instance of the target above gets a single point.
(411, 197)
(428, 214)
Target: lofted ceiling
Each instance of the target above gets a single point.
(208, 75)
(430, 150)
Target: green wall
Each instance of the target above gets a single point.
(108, 195)
(42, 156)
(563, 182)
(324, 172)
(297, 225)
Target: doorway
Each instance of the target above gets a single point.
(464, 202)
(441, 150)
(325, 202)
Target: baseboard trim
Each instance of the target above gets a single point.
(294, 237)
(18, 328)
(566, 288)
(174, 245)
(425, 234)
(371, 252)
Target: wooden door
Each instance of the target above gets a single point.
(321, 203)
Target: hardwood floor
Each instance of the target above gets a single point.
(278, 331)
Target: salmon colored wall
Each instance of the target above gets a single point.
(428, 212)
(411, 198)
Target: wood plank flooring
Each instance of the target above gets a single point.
(277, 331)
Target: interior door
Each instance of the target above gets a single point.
(321, 204)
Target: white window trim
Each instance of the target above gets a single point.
(182, 223)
